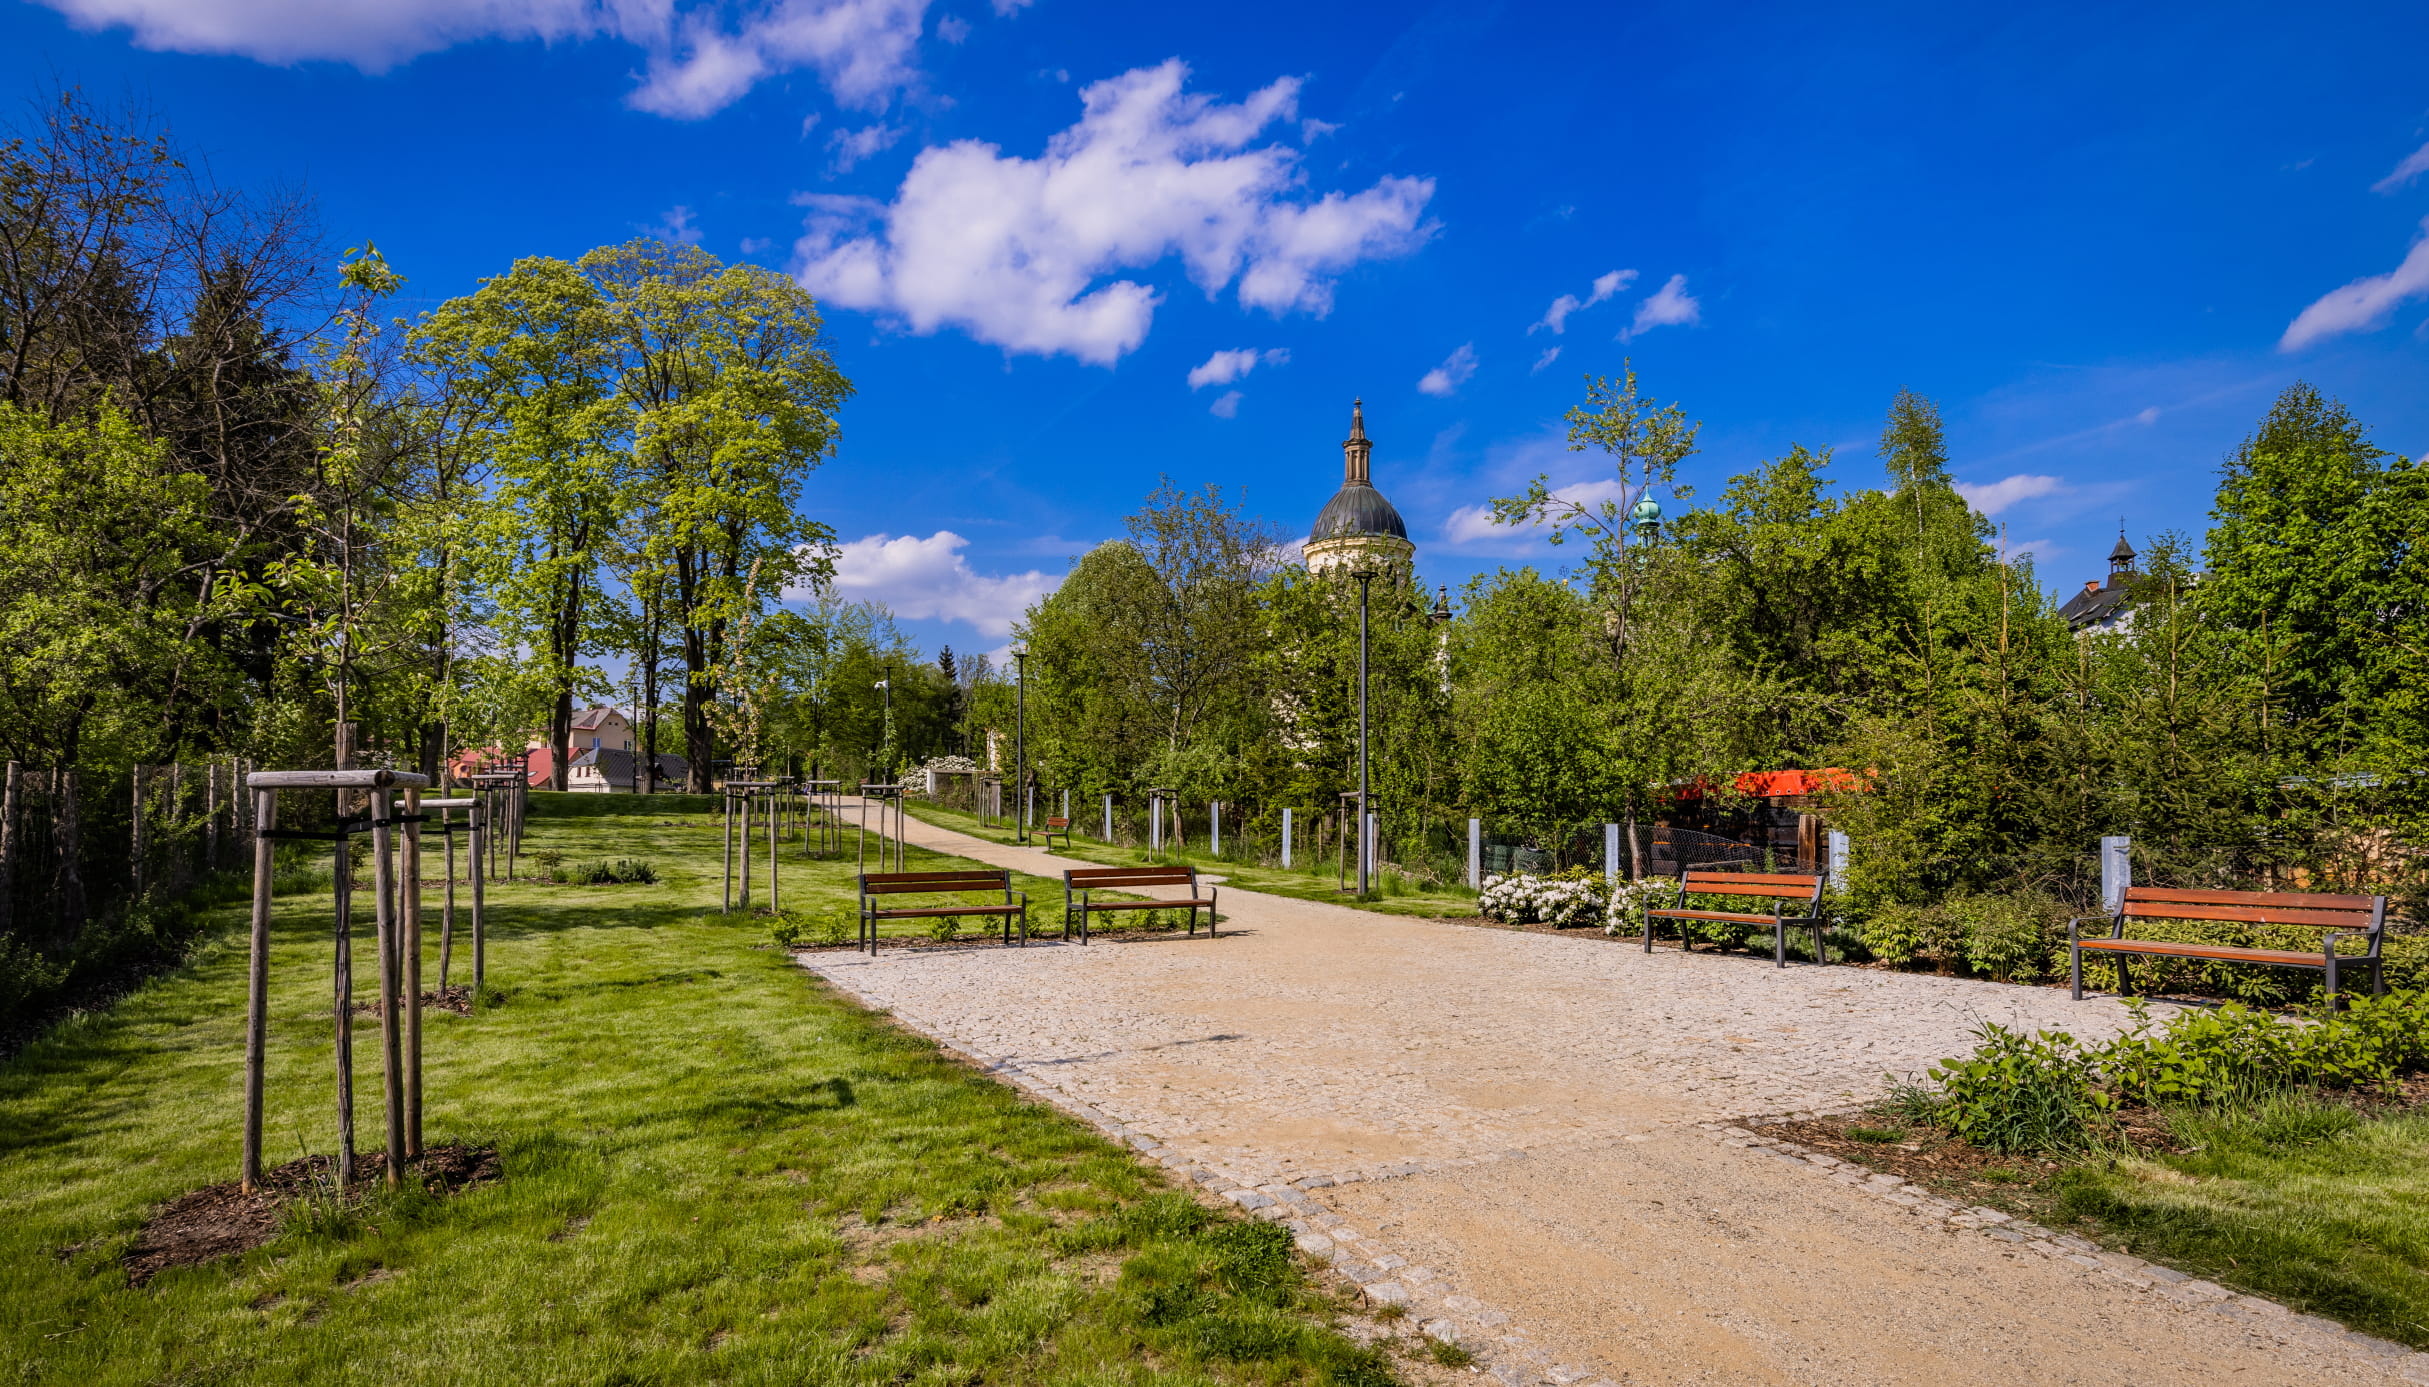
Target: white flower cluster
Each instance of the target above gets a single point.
(1521, 899)
(1626, 913)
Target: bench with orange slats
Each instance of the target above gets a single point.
(1057, 828)
(1778, 888)
(1079, 882)
(1014, 905)
(2341, 916)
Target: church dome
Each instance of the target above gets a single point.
(1358, 509)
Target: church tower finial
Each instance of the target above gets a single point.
(1357, 448)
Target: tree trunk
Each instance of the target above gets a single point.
(699, 739)
(560, 735)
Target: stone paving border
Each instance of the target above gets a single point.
(2164, 1284)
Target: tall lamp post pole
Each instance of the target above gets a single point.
(1365, 578)
(1020, 738)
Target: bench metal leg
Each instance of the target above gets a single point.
(1648, 931)
(2125, 980)
(1779, 946)
(2075, 970)
(2331, 977)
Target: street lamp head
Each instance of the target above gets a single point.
(1020, 650)
(1442, 605)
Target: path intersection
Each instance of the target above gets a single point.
(1547, 1147)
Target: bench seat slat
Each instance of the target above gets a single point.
(1802, 881)
(2225, 952)
(1133, 879)
(1145, 905)
(1716, 915)
(2248, 915)
(1006, 909)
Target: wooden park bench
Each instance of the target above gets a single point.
(1080, 882)
(1014, 905)
(2340, 916)
(1778, 888)
(1057, 828)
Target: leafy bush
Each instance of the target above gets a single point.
(1568, 898)
(622, 871)
(1630, 899)
(2010, 938)
(2050, 1091)
(2021, 1093)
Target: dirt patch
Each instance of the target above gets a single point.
(455, 999)
(222, 1220)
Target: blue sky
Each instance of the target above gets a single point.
(2102, 237)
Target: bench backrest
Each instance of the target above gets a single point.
(1779, 886)
(900, 883)
(1058, 824)
(2316, 909)
(1120, 878)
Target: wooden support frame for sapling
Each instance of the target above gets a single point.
(397, 919)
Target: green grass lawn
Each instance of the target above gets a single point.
(1315, 881)
(715, 1170)
(2315, 1202)
(2303, 1201)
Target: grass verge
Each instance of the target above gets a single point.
(714, 1170)
(2316, 1201)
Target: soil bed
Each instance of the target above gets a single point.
(222, 1220)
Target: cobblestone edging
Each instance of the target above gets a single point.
(1383, 1278)
(2161, 1283)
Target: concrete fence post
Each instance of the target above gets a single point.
(1838, 859)
(1286, 838)
(1108, 818)
(1214, 818)
(1610, 854)
(1475, 854)
(2116, 872)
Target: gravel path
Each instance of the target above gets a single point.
(1523, 1113)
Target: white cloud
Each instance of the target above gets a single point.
(1226, 405)
(752, 245)
(1452, 373)
(1224, 367)
(1556, 317)
(953, 29)
(2414, 165)
(1471, 525)
(929, 579)
(1670, 306)
(852, 146)
(696, 64)
(1017, 251)
(1009, 8)
(1990, 498)
(677, 227)
(1549, 356)
(2363, 304)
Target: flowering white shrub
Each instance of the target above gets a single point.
(1521, 899)
(1629, 900)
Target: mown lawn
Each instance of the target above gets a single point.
(1309, 880)
(714, 1171)
(2314, 1201)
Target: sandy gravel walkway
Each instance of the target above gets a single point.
(1518, 1113)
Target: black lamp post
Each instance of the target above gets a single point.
(1365, 578)
(1020, 737)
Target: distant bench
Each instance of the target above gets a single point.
(873, 885)
(1079, 882)
(1779, 889)
(1058, 828)
(2340, 916)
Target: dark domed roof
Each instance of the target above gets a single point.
(1357, 509)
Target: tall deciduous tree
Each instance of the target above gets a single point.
(733, 398)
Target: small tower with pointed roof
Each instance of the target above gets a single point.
(1357, 528)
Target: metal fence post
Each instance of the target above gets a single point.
(2116, 872)
(1286, 838)
(1610, 854)
(1475, 854)
(1108, 818)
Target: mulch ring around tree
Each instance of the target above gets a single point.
(223, 1221)
(455, 999)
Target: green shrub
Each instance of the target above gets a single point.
(622, 871)
(2010, 938)
(825, 929)
(2022, 1093)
